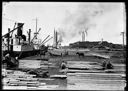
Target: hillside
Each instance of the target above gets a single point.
(95, 44)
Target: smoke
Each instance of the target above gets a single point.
(61, 35)
(85, 16)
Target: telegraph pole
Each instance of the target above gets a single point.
(124, 54)
(122, 33)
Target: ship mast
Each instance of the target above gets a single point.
(36, 25)
(35, 34)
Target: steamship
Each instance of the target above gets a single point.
(18, 45)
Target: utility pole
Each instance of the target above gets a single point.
(122, 33)
(124, 54)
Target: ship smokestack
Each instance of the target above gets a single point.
(20, 29)
(56, 39)
(29, 35)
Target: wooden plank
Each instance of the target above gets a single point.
(82, 64)
(41, 84)
(114, 70)
(31, 88)
(42, 88)
(27, 79)
(52, 86)
(15, 87)
(40, 79)
(109, 74)
(58, 76)
(85, 71)
(95, 71)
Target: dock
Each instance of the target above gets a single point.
(82, 73)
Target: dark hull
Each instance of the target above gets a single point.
(22, 54)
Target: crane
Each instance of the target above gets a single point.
(5, 35)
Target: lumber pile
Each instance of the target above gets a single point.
(29, 63)
(82, 65)
(34, 64)
(21, 80)
(18, 78)
(92, 67)
(93, 79)
(29, 75)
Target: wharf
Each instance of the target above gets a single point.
(81, 75)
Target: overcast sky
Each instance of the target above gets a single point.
(102, 20)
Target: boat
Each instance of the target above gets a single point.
(19, 46)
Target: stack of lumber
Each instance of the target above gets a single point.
(93, 67)
(93, 79)
(18, 79)
(33, 64)
(29, 63)
(82, 65)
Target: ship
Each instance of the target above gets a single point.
(19, 45)
(58, 50)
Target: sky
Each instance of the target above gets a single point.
(101, 20)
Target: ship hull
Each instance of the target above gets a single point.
(22, 54)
